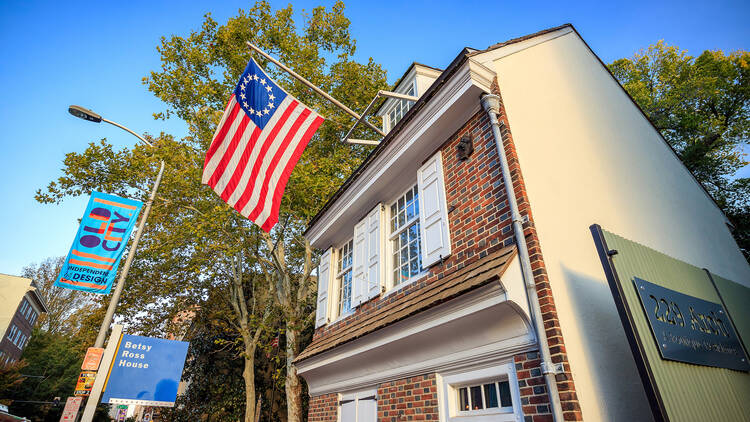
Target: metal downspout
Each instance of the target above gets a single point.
(491, 104)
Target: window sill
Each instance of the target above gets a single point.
(342, 316)
(405, 283)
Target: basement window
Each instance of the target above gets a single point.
(482, 395)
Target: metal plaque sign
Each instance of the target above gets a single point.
(146, 371)
(689, 329)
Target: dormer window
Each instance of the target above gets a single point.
(399, 108)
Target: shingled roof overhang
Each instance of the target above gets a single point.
(423, 100)
(465, 54)
(477, 274)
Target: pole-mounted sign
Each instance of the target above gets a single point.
(145, 371)
(91, 264)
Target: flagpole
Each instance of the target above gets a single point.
(312, 86)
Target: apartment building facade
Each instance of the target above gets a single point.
(434, 293)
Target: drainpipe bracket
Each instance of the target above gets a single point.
(552, 368)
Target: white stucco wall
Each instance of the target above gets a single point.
(12, 290)
(589, 156)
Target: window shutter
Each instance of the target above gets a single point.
(367, 410)
(359, 264)
(375, 240)
(324, 280)
(433, 211)
(349, 410)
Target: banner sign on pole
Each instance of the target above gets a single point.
(70, 412)
(146, 371)
(85, 383)
(91, 264)
(92, 359)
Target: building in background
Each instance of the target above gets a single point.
(20, 308)
(422, 310)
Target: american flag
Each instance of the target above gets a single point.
(256, 145)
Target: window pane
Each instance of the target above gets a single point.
(414, 266)
(490, 394)
(405, 272)
(346, 302)
(413, 232)
(505, 400)
(476, 398)
(463, 399)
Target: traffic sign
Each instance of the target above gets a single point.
(71, 409)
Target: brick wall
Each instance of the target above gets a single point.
(323, 408)
(479, 221)
(409, 399)
(479, 216)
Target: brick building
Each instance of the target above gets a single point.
(20, 307)
(459, 279)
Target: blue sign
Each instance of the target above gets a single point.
(145, 371)
(91, 264)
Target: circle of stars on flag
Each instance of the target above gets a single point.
(243, 96)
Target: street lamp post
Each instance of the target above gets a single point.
(86, 114)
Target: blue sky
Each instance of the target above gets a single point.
(96, 53)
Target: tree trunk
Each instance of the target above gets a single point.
(292, 382)
(248, 374)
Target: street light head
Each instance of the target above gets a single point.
(84, 113)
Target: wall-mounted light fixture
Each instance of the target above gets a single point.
(465, 147)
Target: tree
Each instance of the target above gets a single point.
(51, 364)
(62, 304)
(194, 245)
(701, 105)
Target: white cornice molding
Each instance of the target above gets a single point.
(463, 88)
(322, 378)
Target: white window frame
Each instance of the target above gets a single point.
(368, 394)
(337, 281)
(391, 236)
(449, 384)
(395, 102)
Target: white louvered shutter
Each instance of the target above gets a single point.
(375, 240)
(324, 280)
(359, 263)
(433, 211)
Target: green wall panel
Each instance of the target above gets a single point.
(685, 392)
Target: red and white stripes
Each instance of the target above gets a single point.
(249, 167)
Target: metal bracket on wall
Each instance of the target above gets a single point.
(380, 93)
(552, 368)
